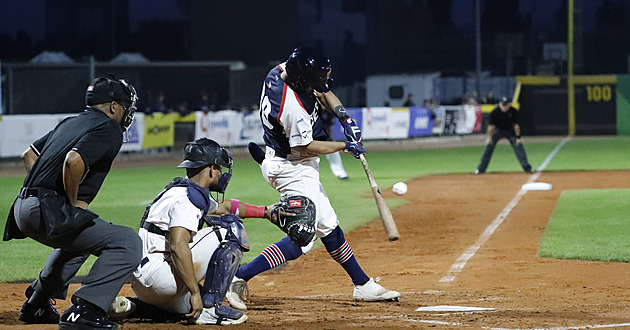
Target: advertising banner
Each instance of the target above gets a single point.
(159, 130)
(189, 118)
(219, 126)
(251, 128)
(375, 123)
(469, 119)
(438, 121)
(17, 132)
(229, 128)
(135, 134)
(398, 123)
(420, 123)
(451, 118)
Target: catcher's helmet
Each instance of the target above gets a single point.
(307, 67)
(205, 152)
(107, 89)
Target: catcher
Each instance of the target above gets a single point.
(178, 253)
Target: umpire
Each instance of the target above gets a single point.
(504, 123)
(66, 169)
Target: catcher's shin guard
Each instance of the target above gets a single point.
(221, 269)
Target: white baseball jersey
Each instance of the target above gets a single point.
(154, 281)
(290, 120)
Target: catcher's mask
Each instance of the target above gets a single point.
(307, 67)
(107, 89)
(205, 152)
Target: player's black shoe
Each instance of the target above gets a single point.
(83, 316)
(39, 313)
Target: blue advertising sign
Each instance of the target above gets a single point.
(420, 122)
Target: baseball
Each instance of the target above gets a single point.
(399, 188)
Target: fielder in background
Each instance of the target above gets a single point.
(334, 159)
(504, 123)
(178, 253)
(66, 168)
(294, 94)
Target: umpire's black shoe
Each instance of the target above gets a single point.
(84, 316)
(39, 313)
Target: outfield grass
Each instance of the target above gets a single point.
(589, 224)
(126, 192)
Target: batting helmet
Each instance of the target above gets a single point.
(205, 152)
(307, 67)
(107, 89)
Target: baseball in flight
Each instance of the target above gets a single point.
(399, 188)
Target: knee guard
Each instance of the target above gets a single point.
(221, 269)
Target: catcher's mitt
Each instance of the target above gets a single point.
(301, 227)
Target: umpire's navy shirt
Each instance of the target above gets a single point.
(94, 135)
(504, 120)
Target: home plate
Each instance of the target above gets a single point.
(536, 186)
(446, 308)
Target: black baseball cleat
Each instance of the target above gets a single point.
(39, 313)
(84, 316)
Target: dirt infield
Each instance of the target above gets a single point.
(444, 217)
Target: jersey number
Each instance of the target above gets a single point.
(265, 110)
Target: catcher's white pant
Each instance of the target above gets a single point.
(154, 281)
(301, 177)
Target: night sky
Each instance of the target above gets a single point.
(360, 36)
(29, 15)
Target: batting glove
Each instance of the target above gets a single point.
(351, 130)
(355, 148)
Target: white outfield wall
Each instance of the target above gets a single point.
(233, 128)
(17, 132)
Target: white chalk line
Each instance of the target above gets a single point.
(449, 323)
(460, 263)
(326, 295)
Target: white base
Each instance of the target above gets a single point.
(536, 186)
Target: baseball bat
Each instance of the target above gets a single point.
(386, 215)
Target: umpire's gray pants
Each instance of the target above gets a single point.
(497, 135)
(118, 248)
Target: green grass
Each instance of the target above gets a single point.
(589, 224)
(126, 192)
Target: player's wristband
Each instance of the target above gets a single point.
(235, 205)
(518, 136)
(253, 211)
(340, 113)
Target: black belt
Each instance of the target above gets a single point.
(152, 228)
(26, 192)
(279, 153)
(144, 262)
